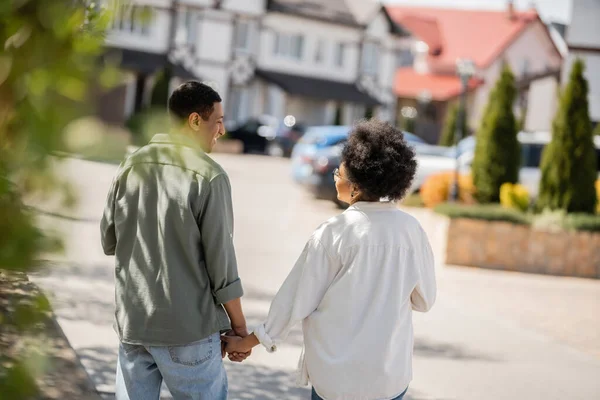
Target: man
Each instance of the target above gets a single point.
(169, 222)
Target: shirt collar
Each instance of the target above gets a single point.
(173, 138)
(373, 205)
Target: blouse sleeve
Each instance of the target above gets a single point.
(300, 294)
(424, 293)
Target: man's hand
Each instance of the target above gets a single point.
(239, 332)
(235, 345)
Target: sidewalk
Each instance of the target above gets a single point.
(492, 335)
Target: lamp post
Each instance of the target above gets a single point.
(465, 68)
(423, 98)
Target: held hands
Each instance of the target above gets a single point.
(235, 345)
(230, 345)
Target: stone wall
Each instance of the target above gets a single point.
(506, 246)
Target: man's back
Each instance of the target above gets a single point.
(170, 211)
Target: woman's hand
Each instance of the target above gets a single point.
(235, 345)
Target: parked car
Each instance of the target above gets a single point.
(268, 135)
(255, 133)
(312, 146)
(327, 159)
(532, 146)
(286, 137)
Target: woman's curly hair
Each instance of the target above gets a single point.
(379, 161)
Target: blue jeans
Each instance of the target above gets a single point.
(315, 396)
(194, 371)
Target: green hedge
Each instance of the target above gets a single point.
(583, 222)
(486, 212)
(495, 212)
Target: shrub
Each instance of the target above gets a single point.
(569, 161)
(598, 195)
(49, 65)
(557, 220)
(160, 91)
(144, 124)
(497, 153)
(583, 222)
(413, 200)
(436, 188)
(514, 196)
(486, 212)
(448, 134)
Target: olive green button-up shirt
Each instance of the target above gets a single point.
(169, 222)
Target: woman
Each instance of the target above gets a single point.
(358, 279)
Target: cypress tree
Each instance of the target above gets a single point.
(497, 151)
(448, 134)
(569, 161)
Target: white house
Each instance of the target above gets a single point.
(583, 40)
(198, 39)
(321, 61)
(490, 39)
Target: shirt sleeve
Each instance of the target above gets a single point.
(216, 229)
(108, 235)
(424, 293)
(300, 294)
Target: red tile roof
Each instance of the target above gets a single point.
(456, 33)
(410, 84)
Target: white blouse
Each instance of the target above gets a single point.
(354, 288)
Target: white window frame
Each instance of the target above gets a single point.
(239, 100)
(243, 36)
(320, 51)
(289, 46)
(371, 57)
(187, 27)
(340, 54)
(525, 66)
(297, 47)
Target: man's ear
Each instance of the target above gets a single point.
(194, 121)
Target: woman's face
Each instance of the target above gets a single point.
(342, 185)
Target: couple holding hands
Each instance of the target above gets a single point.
(168, 221)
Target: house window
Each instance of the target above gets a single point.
(340, 52)
(289, 46)
(297, 46)
(187, 26)
(525, 67)
(320, 52)
(132, 19)
(370, 59)
(239, 103)
(243, 36)
(191, 25)
(405, 58)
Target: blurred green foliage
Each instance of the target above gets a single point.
(497, 151)
(49, 63)
(569, 165)
(449, 132)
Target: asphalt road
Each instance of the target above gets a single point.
(491, 335)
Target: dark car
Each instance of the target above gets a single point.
(286, 137)
(268, 135)
(254, 133)
(325, 162)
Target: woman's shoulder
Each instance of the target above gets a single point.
(332, 229)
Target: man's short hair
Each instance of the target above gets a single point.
(193, 97)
